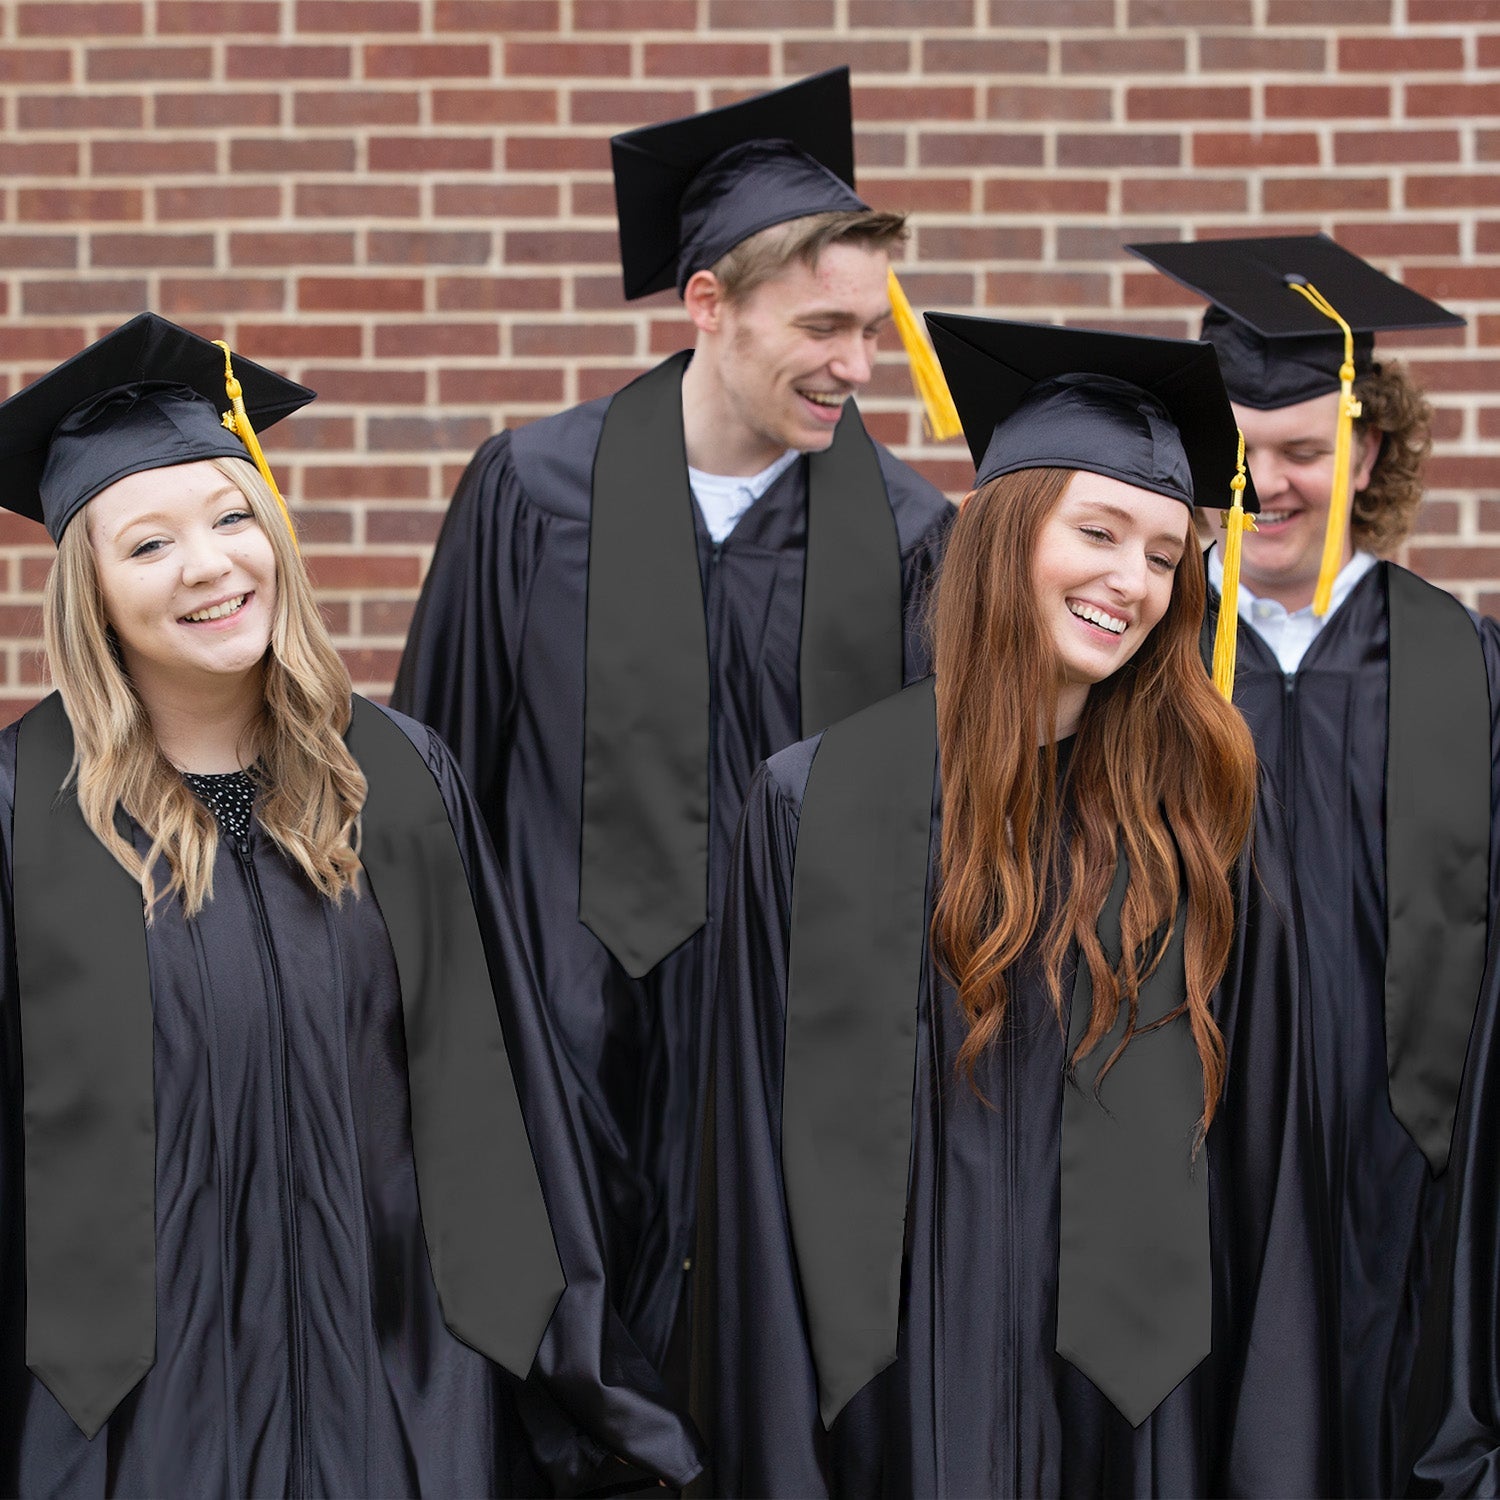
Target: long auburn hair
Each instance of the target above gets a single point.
(1161, 767)
(311, 790)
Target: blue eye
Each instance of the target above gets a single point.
(147, 548)
(1097, 533)
(234, 517)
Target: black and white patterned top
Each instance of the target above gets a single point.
(229, 795)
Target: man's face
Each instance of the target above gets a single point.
(1289, 453)
(799, 345)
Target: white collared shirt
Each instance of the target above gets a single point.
(724, 498)
(1290, 632)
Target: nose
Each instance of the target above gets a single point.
(1130, 574)
(204, 559)
(852, 362)
(1267, 473)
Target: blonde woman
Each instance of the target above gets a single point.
(287, 1182)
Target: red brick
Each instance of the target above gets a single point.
(287, 61)
(367, 386)
(1412, 237)
(80, 111)
(217, 17)
(304, 433)
(357, 107)
(1489, 53)
(550, 247)
(1098, 14)
(38, 159)
(925, 192)
(374, 15)
(1253, 149)
(862, 56)
(979, 149)
(1316, 101)
(50, 344)
(567, 59)
(1280, 195)
(1329, 13)
(987, 55)
(1187, 104)
(424, 434)
(1046, 195)
(148, 251)
(490, 386)
(1043, 289)
(38, 252)
(498, 293)
(264, 341)
(386, 617)
(283, 247)
(1390, 147)
(213, 296)
(964, 242)
(85, 18)
(212, 201)
(355, 570)
(1430, 12)
(432, 247)
(596, 200)
(326, 527)
(23, 621)
(557, 153)
(1234, 53)
(928, 288)
(1025, 102)
(1454, 562)
(1452, 100)
(494, 106)
(77, 205)
(627, 107)
(706, 59)
(219, 108)
(764, 15)
(925, 104)
(416, 340)
(1193, 13)
(1444, 282)
(875, 148)
(626, 15)
(282, 154)
(1436, 517)
(898, 13)
(431, 153)
(427, 60)
(152, 158)
(359, 294)
(34, 65)
(542, 340)
(1150, 289)
(495, 200)
(364, 482)
(1124, 56)
(1401, 54)
(357, 200)
(1458, 191)
(388, 527)
(1119, 149)
(498, 17)
(116, 64)
(1460, 471)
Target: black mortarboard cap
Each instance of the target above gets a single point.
(690, 190)
(1275, 347)
(147, 396)
(1151, 412)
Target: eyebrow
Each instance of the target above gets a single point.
(841, 316)
(159, 518)
(1121, 514)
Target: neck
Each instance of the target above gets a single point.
(718, 440)
(202, 724)
(1291, 594)
(1071, 696)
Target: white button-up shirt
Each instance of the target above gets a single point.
(724, 498)
(1290, 632)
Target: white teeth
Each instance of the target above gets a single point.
(820, 400)
(218, 611)
(1273, 517)
(1096, 616)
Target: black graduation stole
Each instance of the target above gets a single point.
(87, 1063)
(1134, 1274)
(643, 882)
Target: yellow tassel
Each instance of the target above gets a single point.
(1226, 637)
(926, 372)
(1338, 496)
(237, 420)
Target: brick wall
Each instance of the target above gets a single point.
(406, 204)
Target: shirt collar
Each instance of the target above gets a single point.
(756, 484)
(1349, 575)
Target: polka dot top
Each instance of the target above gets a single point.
(229, 795)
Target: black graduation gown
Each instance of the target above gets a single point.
(1322, 732)
(495, 663)
(977, 1402)
(300, 1347)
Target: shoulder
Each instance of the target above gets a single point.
(9, 737)
(920, 508)
(424, 740)
(553, 459)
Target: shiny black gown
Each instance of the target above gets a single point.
(495, 663)
(977, 1402)
(300, 1348)
(1322, 734)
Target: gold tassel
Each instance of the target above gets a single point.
(926, 372)
(1338, 497)
(1226, 638)
(237, 420)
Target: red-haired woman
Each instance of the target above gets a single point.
(991, 1209)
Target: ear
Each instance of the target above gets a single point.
(703, 297)
(967, 498)
(1367, 443)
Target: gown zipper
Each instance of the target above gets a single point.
(300, 1480)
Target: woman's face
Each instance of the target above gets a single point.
(187, 575)
(1103, 569)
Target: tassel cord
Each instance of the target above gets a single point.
(1226, 637)
(237, 420)
(926, 372)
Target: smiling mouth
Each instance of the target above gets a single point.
(828, 400)
(220, 611)
(1269, 520)
(1096, 616)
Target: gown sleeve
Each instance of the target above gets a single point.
(595, 1410)
(755, 1394)
(15, 1383)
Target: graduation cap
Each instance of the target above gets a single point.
(1150, 412)
(149, 395)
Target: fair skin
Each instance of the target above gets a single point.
(1289, 453)
(1103, 570)
(772, 370)
(188, 580)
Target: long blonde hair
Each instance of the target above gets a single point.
(310, 789)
